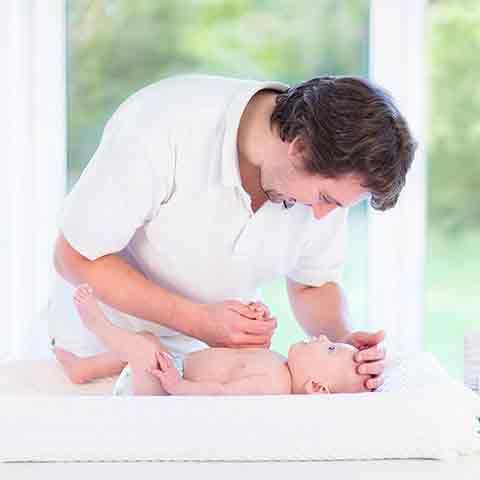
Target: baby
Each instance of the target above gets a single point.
(312, 367)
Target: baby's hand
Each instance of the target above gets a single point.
(167, 373)
(261, 308)
(263, 313)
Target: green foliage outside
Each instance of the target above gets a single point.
(454, 167)
(117, 47)
(453, 261)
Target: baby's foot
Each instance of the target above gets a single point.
(88, 308)
(72, 365)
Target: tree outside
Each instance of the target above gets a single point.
(453, 300)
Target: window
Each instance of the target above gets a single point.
(453, 262)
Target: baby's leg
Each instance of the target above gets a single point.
(125, 344)
(138, 349)
(84, 369)
(144, 383)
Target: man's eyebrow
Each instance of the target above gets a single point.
(331, 200)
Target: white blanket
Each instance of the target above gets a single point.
(420, 412)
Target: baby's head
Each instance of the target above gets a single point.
(321, 366)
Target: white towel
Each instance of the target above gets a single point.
(419, 413)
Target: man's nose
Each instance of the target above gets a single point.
(322, 209)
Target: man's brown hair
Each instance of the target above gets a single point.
(349, 126)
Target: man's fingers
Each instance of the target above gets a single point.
(370, 354)
(255, 327)
(374, 383)
(373, 368)
(365, 340)
(261, 308)
(246, 311)
(257, 310)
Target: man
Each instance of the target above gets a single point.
(185, 209)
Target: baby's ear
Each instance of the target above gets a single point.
(313, 387)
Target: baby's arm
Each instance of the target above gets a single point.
(174, 384)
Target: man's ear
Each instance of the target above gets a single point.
(297, 151)
(313, 387)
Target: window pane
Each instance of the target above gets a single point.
(453, 302)
(117, 47)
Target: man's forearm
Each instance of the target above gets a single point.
(119, 285)
(321, 310)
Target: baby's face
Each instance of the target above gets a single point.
(327, 363)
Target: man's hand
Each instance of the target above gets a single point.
(260, 308)
(233, 324)
(370, 357)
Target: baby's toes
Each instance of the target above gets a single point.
(86, 288)
(79, 297)
(83, 291)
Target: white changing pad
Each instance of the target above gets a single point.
(420, 412)
(46, 377)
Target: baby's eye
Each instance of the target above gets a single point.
(331, 348)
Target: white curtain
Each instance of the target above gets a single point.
(396, 287)
(32, 125)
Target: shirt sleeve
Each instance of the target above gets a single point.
(119, 190)
(322, 256)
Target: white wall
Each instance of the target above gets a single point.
(33, 123)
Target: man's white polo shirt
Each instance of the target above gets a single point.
(164, 190)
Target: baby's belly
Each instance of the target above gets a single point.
(227, 365)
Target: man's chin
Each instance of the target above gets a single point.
(273, 196)
(275, 199)
(279, 200)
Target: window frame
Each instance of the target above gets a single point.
(33, 94)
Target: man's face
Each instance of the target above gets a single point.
(322, 194)
(288, 181)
